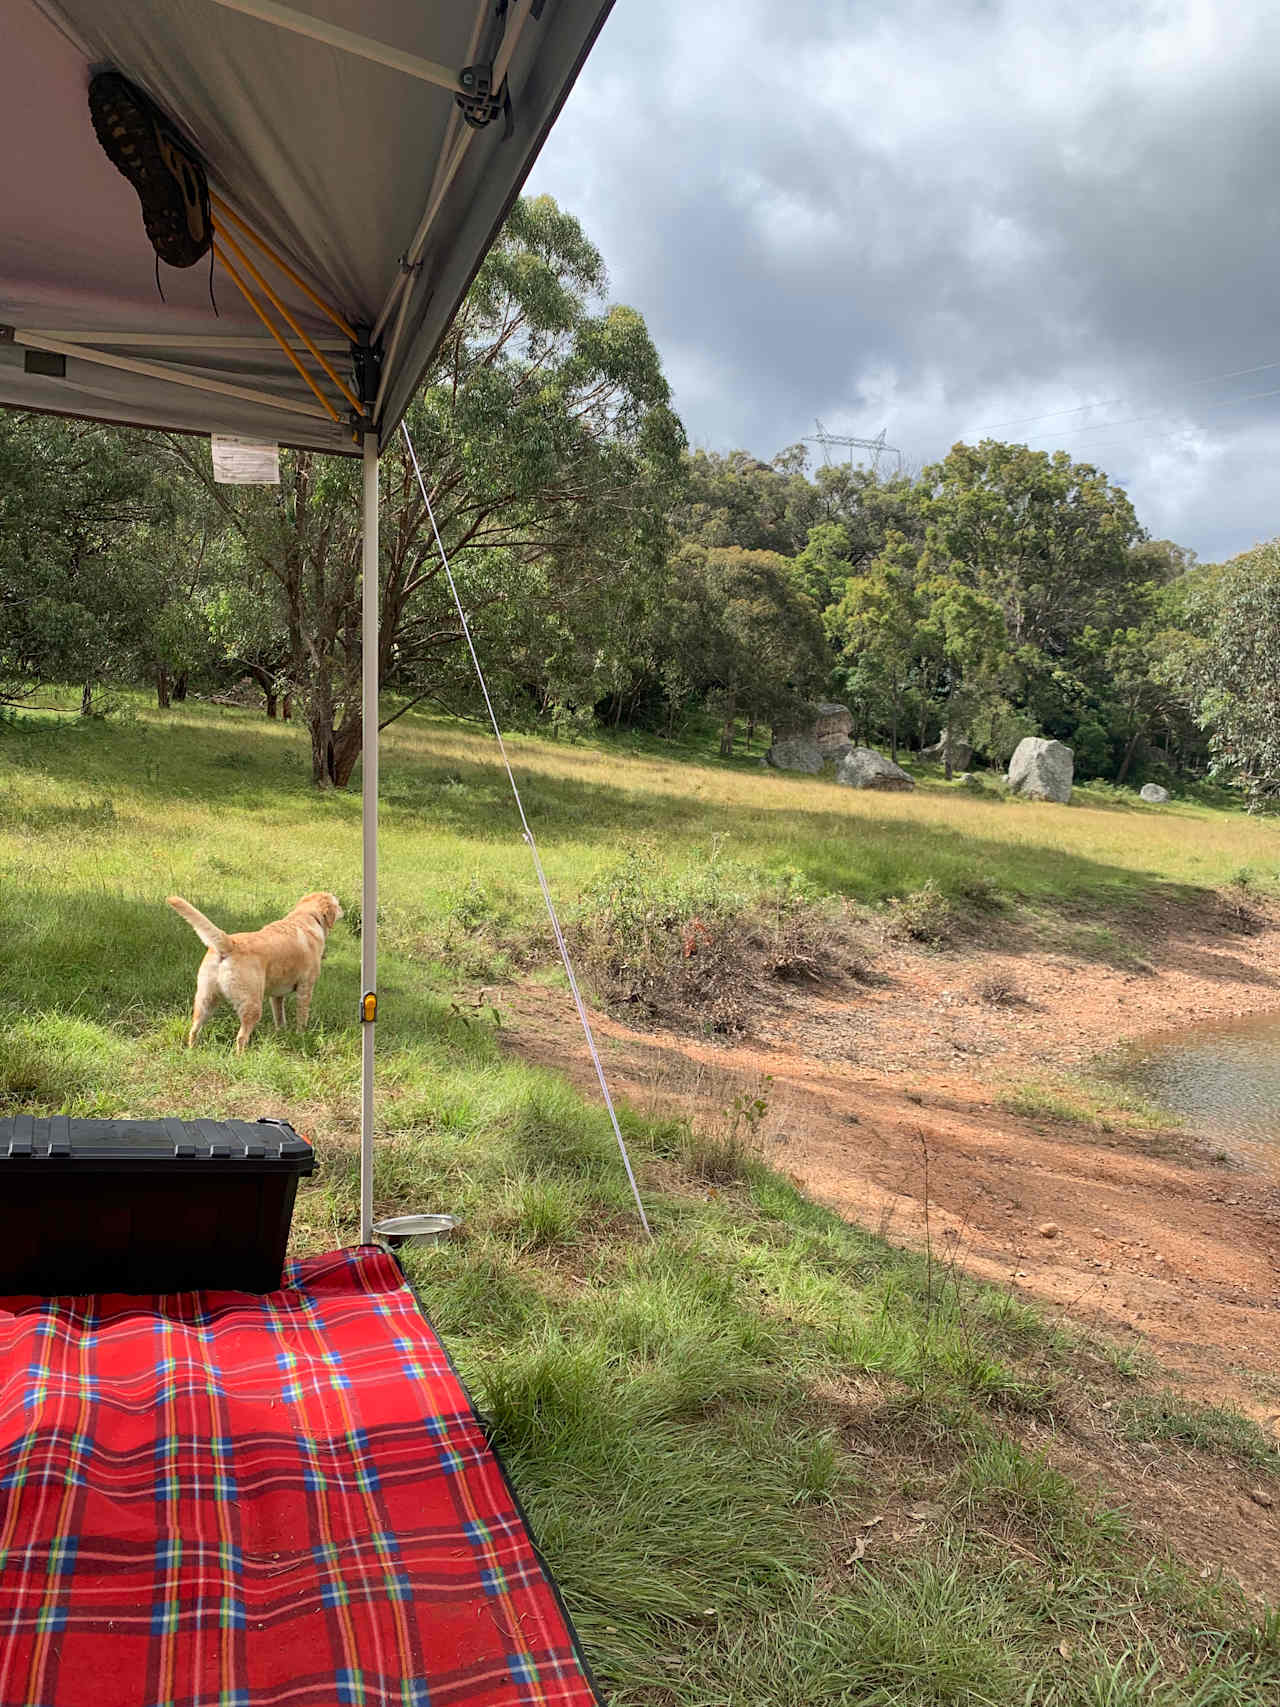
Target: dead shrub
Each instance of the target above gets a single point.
(999, 992)
(925, 916)
(700, 944)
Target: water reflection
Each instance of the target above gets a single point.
(1223, 1077)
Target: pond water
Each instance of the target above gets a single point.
(1222, 1078)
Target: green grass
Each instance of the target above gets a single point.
(1214, 1429)
(447, 822)
(770, 1458)
(1098, 1103)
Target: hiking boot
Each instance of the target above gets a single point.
(166, 172)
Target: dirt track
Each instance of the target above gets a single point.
(1156, 1233)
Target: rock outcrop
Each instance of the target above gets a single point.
(1042, 770)
(831, 726)
(863, 767)
(796, 753)
(826, 734)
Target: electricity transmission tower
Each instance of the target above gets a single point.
(876, 446)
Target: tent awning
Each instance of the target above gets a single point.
(350, 198)
(331, 129)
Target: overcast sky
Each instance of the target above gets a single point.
(946, 217)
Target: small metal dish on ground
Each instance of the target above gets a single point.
(403, 1230)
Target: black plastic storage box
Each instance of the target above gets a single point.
(146, 1205)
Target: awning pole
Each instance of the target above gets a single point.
(369, 824)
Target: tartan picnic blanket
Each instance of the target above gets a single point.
(222, 1500)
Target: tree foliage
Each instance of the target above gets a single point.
(1045, 538)
(1232, 667)
(608, 574)
(550, 454)
(757, 637)
(89, 531)
(879, 629)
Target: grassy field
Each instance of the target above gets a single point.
(771, 1458)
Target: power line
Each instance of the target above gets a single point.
(1163, 415)
(1113, 402)
(1129, 441)
(1120, 446)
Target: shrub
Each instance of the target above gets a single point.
(924, 916)
(1000, 992)
(699, 941)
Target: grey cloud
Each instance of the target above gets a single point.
(933, 218)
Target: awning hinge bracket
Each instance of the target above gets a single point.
(480, 102)
(366, 366)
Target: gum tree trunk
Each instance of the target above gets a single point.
(333, 751)
(730, 720)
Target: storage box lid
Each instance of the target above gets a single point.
(144, 1145)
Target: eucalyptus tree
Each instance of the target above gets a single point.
(550, 452)
(1046, 538)
(1229, 665)
(880, 631)
(744, 630)
(81, 509)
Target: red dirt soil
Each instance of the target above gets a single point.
(1155, 1234)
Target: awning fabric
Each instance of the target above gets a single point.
(332, 156)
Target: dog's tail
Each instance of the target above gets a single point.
(205, 929)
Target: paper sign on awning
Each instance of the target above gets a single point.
(244, 462)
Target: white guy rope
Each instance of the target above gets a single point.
(533, 846)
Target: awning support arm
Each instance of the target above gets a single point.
(232, 271)
(157, 370)
(339, 320)
(223, 240)
(445, 173)
(410, 258)
(347, 41)
(173, 340)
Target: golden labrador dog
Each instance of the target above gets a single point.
(242, 967)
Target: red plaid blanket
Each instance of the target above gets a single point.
(217, 1500)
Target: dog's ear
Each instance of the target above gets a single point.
(323, 906)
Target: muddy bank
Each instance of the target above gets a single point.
(885, 1103)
